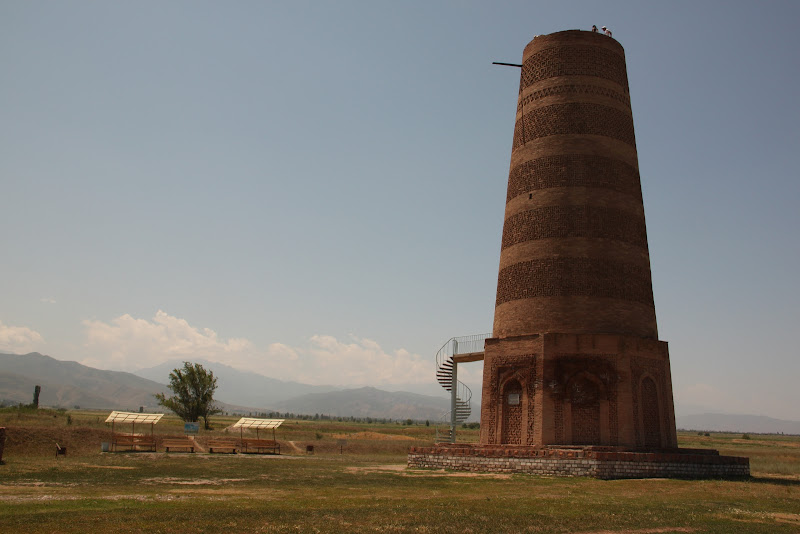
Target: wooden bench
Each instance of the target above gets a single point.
(222, 445)
(178, 443)
(127, 440)
(259, 445)
(145, 442)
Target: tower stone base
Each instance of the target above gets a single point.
(577, 389)
(596, 405)
(597, 462)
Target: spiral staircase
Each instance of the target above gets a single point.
(457, 350)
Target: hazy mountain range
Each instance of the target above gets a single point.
(371, 402)
(719, 422)
(246, 388)
(240, 387)
(69, 384)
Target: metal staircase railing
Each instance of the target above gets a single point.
(445, 368)
(444, 434)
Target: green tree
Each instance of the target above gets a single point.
(193, 393)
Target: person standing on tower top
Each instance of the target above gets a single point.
(606, 31)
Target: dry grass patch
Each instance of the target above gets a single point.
(377, 436)
(369, 489)
(192, 481)
(402, 470)
(659, 530)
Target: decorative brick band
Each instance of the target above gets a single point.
(566, 277)
(575, 221)
(573, 170)
(574, 118)
(573, 89)
(572, 462)
(575, 60)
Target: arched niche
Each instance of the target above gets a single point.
(513, 402)
(585, 410)
(650, 420)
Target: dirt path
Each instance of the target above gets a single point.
(197, 446)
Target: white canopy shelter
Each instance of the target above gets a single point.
(133, 418)
(258, 424)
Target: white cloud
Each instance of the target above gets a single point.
(128, 343)
(19, 339)
(48, 300)
(359, 362)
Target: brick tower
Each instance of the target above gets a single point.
(574, 358)
(575, 380)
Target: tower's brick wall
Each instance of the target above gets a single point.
(574, 118)
(573, 54)
(594, 222)
(573, 170)
(567, 277)
(574, 255)
(578, 389)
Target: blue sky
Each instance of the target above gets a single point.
(315, 190)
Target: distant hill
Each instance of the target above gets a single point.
(244, 388)
(717, 422)
(69, 384)
(370, 402)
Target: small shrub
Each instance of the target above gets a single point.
(745, 436)
(318, 435)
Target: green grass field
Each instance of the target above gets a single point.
(365, 488)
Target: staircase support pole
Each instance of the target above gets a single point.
(454, 403)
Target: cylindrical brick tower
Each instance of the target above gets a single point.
(575, 379)
(574, 255)
(574, 358)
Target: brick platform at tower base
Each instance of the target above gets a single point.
(590, 461)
